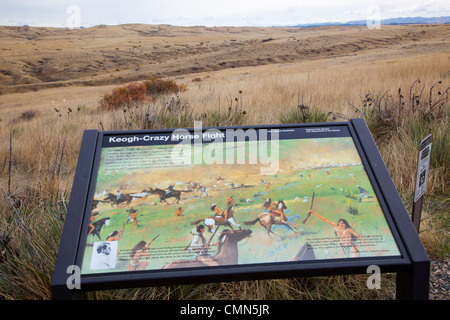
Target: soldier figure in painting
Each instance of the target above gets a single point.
(363, 193)
(170, 189)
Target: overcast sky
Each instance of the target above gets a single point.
(87, 13)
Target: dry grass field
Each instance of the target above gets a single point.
(51, 81)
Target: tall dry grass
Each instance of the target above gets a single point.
(36, 169)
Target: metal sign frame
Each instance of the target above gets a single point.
(411, 266)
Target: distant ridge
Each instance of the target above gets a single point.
(391, 21)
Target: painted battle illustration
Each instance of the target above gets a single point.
(150, 212)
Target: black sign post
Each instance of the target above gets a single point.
(144, 203)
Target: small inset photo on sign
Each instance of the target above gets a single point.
(104, 255)
(422, 177)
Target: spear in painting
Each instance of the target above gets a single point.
(148, 244)
(310, 208)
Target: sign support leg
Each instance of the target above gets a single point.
(416, 213)
(414, 284)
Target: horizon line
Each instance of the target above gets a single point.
(387, 21)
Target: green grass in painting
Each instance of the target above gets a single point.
(335, 192)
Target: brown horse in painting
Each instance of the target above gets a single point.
(268, 218)
(225, 220)
(112, 198)
(227, 252)
(163, 195)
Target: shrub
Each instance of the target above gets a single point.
(417, 129)
(136, 92)
(124, 96)
(302, 114)
(385, 112)
(353, 211)
(233, 115)
(156, 87)
(170, 112)
(28, 115)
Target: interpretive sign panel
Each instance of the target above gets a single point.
(163, 201)
(216, 204)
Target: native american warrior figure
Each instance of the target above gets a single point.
(346, 235)
(179, 212)
(221, 217)
(275, 208)
(115, 235)
(132, 214)
(140, 256)
(97, 227)
(219, 212)
(229, 201)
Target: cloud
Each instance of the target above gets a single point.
(429, 8)
(210, 12)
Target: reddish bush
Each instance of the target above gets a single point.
(124, 96)
(135, 92)
(157, 87)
